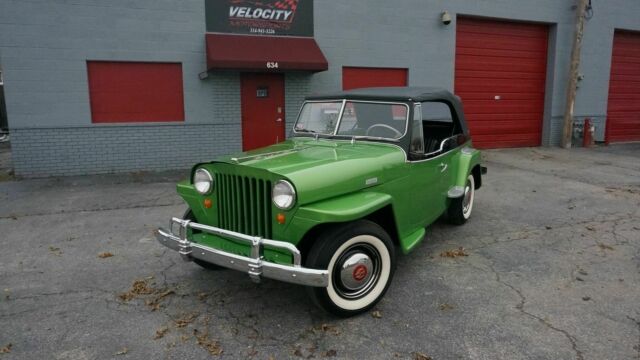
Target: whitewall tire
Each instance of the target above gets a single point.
(360, 258)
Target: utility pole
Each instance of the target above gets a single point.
(572, 85)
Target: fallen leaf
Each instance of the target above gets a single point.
(586, 298)
(579, 278)
(105, 255)
(55, 250)
(139, 287)
(6, 349)
(160, 333)
(330, 329)
(421, 356)
(376, 314)
(252, 352)
(548, 227)
(454, 253)
(212, 346)
(122, 352)
(582, 272)
(329, 353)
(605, 247)
(590, 228)
(154, 303)
(185, 320)
(446, 307)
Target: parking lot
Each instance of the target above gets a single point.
(552, 272)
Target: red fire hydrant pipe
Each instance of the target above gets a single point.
(587, 136)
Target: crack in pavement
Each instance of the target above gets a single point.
(520, 308)
(638, 325)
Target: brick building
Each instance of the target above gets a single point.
(108, 86)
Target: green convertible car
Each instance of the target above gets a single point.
(362, 175)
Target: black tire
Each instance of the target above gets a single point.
(366, 254)
(459, 210)
(188, 215)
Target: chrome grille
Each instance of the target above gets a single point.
(244, 204)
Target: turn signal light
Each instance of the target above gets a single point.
(280, 218)
(208, 203)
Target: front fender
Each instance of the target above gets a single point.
(341, 209)
(344, 208)
(469, 158)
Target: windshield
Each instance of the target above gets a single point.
(353, 119)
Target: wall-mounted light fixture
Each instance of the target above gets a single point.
(445, 17)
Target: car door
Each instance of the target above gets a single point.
(432, 152)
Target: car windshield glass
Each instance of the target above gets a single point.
(359, 119)
(319, 118)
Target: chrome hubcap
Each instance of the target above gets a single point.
(356, 271)
(466, 201)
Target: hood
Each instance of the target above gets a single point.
(322, 168)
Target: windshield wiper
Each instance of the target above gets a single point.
(306, 131)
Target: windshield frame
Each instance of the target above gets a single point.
(341, 114)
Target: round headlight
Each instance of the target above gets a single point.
(203, 181)
(284, 195)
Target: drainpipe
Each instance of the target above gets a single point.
(572, 85)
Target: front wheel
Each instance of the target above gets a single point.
(460, 209)
(360, 258)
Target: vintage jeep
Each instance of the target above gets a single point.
(364, 172)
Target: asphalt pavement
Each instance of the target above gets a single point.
(552, 271)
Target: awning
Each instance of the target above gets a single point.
(264, 53)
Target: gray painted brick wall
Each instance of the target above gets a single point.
(94, 150)
(44, 46)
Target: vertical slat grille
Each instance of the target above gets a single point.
(244, 204)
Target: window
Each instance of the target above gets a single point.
(358, 119)
(417, 134)
(437, 124)
(122, 92)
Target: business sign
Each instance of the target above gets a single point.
(266, 17)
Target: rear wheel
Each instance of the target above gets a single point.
(360, 258)
(188, 215)
(460, 208)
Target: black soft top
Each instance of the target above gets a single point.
(402, 94)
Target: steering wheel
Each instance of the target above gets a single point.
(398, 133)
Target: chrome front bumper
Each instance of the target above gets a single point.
(255, 266)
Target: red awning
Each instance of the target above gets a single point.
(264, 53)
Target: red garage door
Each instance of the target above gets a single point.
(623, 115)
(500, 75)
(359, 77)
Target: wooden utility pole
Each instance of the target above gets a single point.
(572, 85)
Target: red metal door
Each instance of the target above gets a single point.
(500, 75)
(623, 114)
(359, 77)
(262, 97)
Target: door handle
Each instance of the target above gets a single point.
(279, 120)
(443, 167)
